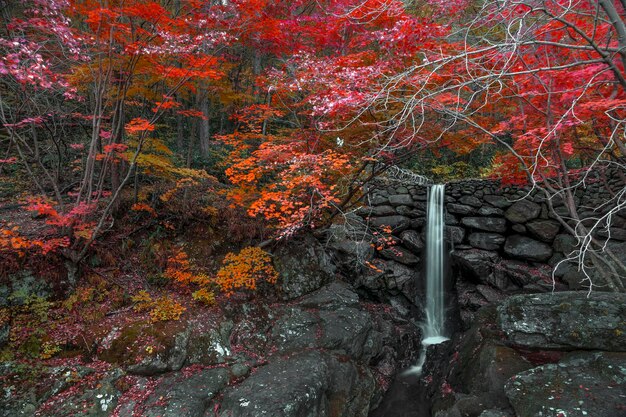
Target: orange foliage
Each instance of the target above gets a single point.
(137, 125)
(245, 270)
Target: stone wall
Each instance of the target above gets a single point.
(503, 240)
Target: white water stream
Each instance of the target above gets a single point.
(433, 329)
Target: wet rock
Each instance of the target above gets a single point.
(545, 230)
(613, 233)
(303, 267)
(523, 247)
(487, 241)
(565, 320)
(581, 385)
(522, 211)
(488, 224)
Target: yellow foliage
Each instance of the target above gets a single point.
(204, 296)
(165, 309)
(245, 269)
(161, 309)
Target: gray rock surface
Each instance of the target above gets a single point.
(303, 267)
(488, 224)
(581, 385)
(565, 320)
(522, 211)
(522, 247)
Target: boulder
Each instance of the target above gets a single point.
(460, 209)
(522, 247)
(475, 262)
(565, 243)
(396, 223)
(470, 201)
(400, 200)
(522, 274)
(307, 384)
(186, 395)
(303, 266)
(613, 233)
(522, 211)
(454, 234)
(490, 211)
(412, 241)
(487, 241)
(488, 224)
(399, 254)
(589, 384)
(565, 320)
(545, 230)
(376, 211)
(497, 201)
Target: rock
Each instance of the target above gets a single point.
(308, 384)
(580, 385)
(497, 201)
(522, 211)
(522, 274)
(565, 243)
(460, 209)
(303, 266)
(522, 247)
(487, 241)
(492, 295)
(378, 200)
(565, 320)
(488, 224)
(333, 320)
(613, 233)
(170, 360)
(23, 285)
(409, 212)
(210, 346)
(545, 230)
(470, 201)
(376, 211)
(184, 395)
(519, 228)
(477, 263)
(495, 413)
(412, 241)
(490, 211)
(97, 401)
(396, 223)
(399, 254)
(454, 234)
(449, 219)
(400, 200)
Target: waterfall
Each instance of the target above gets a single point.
(433, 328)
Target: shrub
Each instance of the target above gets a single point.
(245, 270)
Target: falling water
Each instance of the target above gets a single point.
(433, 329)
(435, 247)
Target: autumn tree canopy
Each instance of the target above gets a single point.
(285, 109)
